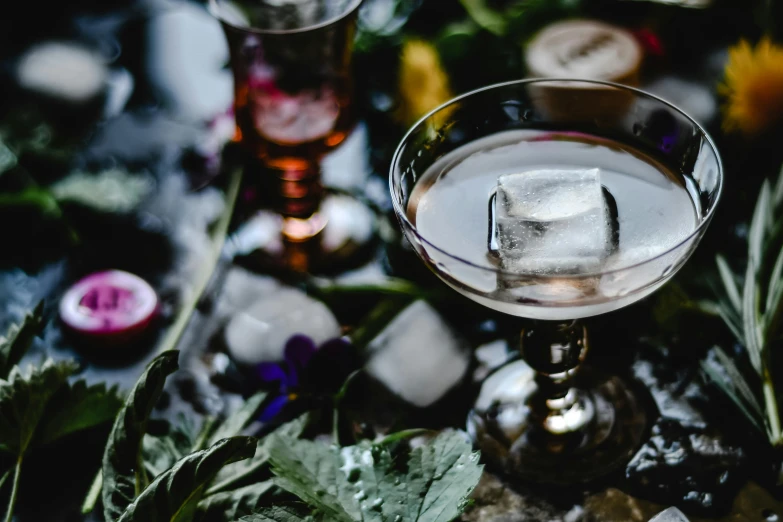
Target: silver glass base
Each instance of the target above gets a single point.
(597, 427)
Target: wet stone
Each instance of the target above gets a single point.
(494, 501)
(692, 468)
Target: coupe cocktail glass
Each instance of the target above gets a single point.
(555, 200)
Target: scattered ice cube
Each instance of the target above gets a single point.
(418, 356)
(670, 515)
(551, 221)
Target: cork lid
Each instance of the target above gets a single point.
(585, 49)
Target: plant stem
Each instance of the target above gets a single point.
(15, 490)
(172, 337)
(771, 405)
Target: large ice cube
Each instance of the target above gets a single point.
(551, 221)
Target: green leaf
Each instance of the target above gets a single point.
(284, 513)
(759, 227)
(778, 192)
(729, 283)
(311, 471)
(240, 420)
(362, 483)
(112, 190)
(447, 471)
(7, 158)
(732, 320)
(174, 495)
(93, 494)
(37, 197)
(160, 453)
(751, 323)
(722, 371)
(18, 340)
(230, 505)
(23, 401)
(4, 478)
(124, 476)
(78, 407)
(485, 16)
(244, 472)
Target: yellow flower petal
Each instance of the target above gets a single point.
(753, 87)
(423, 84)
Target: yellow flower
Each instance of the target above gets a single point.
(753, 87)
(423, 84)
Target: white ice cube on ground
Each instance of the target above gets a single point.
(670, 515)
(551, 221)
(259, 333)
(418, 356)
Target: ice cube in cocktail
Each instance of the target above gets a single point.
(551, 221)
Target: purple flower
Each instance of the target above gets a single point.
(306, 371)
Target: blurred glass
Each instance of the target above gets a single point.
(291, 61)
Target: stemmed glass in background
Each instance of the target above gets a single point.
(497, 193)
(293, 103)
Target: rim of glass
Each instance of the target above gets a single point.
(696, 231)
(214, 9)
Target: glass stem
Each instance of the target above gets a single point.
(555, 351)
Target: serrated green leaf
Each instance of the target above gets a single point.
(124, 476)
(284, 513)
(362, 484)
(174, 495)
(456, 473)
(311, 471)
(77, 407)
(240, 420)
(729, 283)
(228, 506)
(23, 401)
(246, 471)
(18, 340)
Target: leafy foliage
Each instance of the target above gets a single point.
(240, 420)
(230, 505)
(752, 308)
(247, 471)
(174, 495)
(286, 513)
(18, 340)
(364, 483)
(124, 475)
(23, 401)
(77, 407)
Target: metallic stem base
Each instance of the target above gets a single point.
(594, 430)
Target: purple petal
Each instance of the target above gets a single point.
(298, 351)
(336, 345)
(274, 408)
(271, 372)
